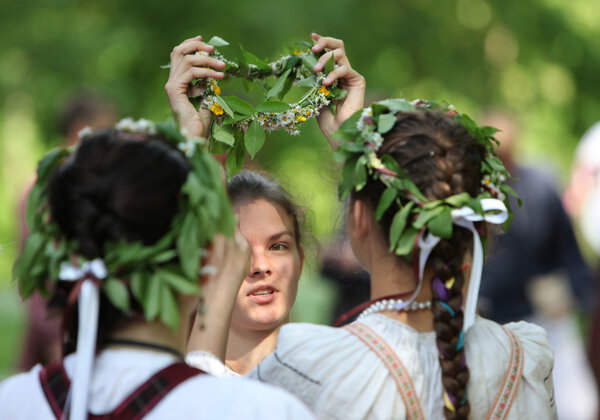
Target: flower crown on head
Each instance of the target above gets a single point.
(153, 275)
(239, 126)
(362, 136)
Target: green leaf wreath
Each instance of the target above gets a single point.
(173, 263)
(361, 137)
(238, 126)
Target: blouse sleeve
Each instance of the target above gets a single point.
(536, 393)
(489, 355)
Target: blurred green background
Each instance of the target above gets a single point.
(537, 58)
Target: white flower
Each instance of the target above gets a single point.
(188, 148)
(377, 140)
(142, 126)
(84, 132)
(374, 161)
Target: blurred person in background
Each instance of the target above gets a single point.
(42, 341)
(535, 272)
(582, 201)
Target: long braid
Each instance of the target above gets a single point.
(442, 159)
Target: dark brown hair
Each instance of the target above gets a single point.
(247, 186)
(117, 186)
(442, 159)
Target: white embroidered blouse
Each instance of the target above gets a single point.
(340, 377)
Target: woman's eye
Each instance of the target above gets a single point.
(278, 246)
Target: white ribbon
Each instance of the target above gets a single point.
(494, 212)
(89, 304)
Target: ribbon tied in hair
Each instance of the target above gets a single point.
(88, 296)
(495, 212)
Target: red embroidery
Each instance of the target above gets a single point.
(394, 365)
(508, 391)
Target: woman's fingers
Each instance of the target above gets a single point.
(338, 56)
(199, 60)
(190, 46)
(325, 42)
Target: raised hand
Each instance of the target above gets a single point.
(348, 79)
(187, 65)
(230, 258)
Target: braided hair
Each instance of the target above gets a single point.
(442, 159)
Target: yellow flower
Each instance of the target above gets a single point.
(216, 109)
(215, 87)
(300, 118)
(324, 91)
(296, 52)
(486, 181)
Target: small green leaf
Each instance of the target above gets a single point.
(385, 123)
(432, 204)
(49, 162)
(397, 105)
(272, 106)
(216, 41)
(169, 314)
(307, 82)
(387, 198)
(441, 225)
(399, 223)
(426, 215)
(223, 134)
(152, 299)
(407, 241)
(177, 282)
(248, 85)
(165, 256)
(458, 200)
(249, 58)
(254, 138)
(187, 246)
(138, 286)
(360, 173)
(278, 87)
(239, 105)
(117, 293)
(224, 105)
(329, 64)
(309, 61)
(235, 158)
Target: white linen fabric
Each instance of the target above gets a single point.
(119, 372)
(209, 363)
(339, 377)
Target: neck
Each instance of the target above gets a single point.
(153, 333)
(392, 275)
(246, 349)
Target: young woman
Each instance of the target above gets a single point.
(271, 223)
(119, 240)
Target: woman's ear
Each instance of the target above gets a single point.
(360, 219)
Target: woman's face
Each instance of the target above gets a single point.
(268, 292)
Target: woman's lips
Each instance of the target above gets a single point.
(263, 294)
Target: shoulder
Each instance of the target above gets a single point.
(492, 349)
(21, 397)
(232, 398)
